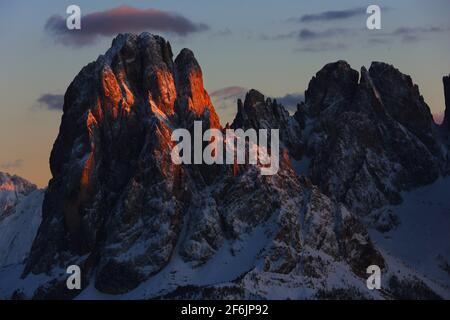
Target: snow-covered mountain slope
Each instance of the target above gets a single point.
(421, 237)
(416, 253)
(18, 229)
(20, 217)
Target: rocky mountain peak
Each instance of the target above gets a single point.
(402, 99)
(259, 113)
(333, 85)
(252, 98)
(192, 95)
(12, 189)
(354, 125)
(446, 81)
(111, 161)
(16, 183)
(186, 61)
(139, 70)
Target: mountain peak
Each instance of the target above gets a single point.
(335, 82)
(114, 149)
(12, 189)
(187, 58)
(446, 81)
(16, 183)
(252, 98)
(402, 99)
(192, 96)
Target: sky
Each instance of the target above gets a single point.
(275, 47)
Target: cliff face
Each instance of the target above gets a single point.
(361, 135)
(446, 81)
(111, 162)
(257, 112)
(356, 134)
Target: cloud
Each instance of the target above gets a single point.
(415, 30)
(322, 46)
(225, 101)
(119, 20)
(414, 34)
(308, 34)
(331, 15)
(12, 164)
(290, 101)
(223, 32)
(51, 101)
(310, 38)
(282, 36)
(376, 41)
(404, 34)
(229, 92)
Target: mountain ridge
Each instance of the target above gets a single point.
(121, 210)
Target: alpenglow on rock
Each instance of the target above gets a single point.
(118, 207)
(12, 190)
(114, 187)
(141, 227)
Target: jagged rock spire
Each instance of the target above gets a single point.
(446, 81)
(111, 162)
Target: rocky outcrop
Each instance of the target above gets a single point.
(119, 208)
(115, 201)
(356, 133)
(362, 135)
(332, 88)
(259, 113)
(446, 81)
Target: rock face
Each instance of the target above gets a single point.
(356, 133)
(118, 207)
(260, 113)
(446, 124)
(446, 81)
(361, 135)
(115, 199)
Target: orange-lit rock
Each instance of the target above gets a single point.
(164, 93)
(112, 94)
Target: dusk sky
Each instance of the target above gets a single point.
(273, 46)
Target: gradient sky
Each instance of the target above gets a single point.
(247, 43)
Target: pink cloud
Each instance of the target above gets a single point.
(119, 20)
(438, 117)
(229, 92)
